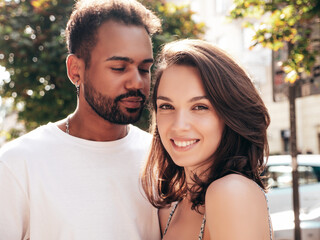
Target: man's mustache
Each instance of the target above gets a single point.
(131, 93)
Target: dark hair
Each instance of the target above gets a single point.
(244, 139)
(88, 16)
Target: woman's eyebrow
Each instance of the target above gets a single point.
(194, 99)
(164, 98)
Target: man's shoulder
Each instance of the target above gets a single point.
(141, 134)
(25, 144)
(138, 140)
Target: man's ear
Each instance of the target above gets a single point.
(75, 69)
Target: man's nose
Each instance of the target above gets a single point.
(135, 81)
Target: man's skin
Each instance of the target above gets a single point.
(120, 62)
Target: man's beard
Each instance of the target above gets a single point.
(109, 108)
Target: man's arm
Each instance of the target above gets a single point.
(14, 206)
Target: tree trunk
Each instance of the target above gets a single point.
(293, 142)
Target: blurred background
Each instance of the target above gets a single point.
(276, 41)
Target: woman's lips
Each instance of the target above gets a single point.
(184, 145)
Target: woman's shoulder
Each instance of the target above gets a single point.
(235, 193)
(240, 202)
(233, 185)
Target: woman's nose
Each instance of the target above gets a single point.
(181, 121)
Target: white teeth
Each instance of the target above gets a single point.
(184, 143)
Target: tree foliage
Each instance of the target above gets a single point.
(33, 50)
(176, 20)
(284, 23)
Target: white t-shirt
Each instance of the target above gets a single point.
(55, 186)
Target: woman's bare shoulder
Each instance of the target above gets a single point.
(235, 190)
(232, 184)
(235, 202)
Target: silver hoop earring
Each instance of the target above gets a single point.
(78, 90)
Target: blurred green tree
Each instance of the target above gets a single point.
(293, 25)
(33, 51)
(284, 23)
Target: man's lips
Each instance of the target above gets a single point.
(132, 102)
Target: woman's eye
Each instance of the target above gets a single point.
(165, 107)
(201, 107)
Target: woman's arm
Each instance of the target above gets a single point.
(236, 209)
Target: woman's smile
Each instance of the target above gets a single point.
(184, 145)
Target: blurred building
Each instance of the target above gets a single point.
(258, 63)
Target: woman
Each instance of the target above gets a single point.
(209, 143)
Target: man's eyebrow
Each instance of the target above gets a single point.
(148, 60)
(118, 58)
(129, 60)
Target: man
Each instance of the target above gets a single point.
(79, 178)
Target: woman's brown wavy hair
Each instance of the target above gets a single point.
(243, 144)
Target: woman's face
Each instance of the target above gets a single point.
(189, 126)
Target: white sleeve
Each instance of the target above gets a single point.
(14, 209)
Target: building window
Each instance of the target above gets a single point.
(222, 6)
(318, 142)
(285, 137)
